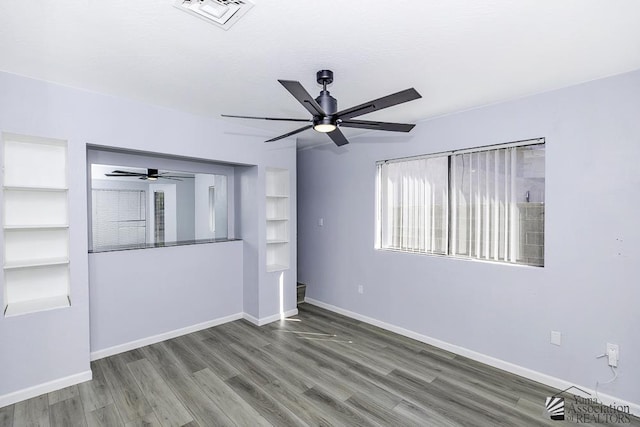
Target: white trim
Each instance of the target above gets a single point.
(121, 348)
(269, 319)
(28, 393)
(554, 382)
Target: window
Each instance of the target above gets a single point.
(118, 217)
(158, 198)
(486, 203)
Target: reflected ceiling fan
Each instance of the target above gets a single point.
(151, 175)
(325, 115)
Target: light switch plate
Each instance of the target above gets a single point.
(556, 337)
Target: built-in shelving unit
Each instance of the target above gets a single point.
(35, 224)
(277, 182)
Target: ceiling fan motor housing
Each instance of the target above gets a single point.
(328, 103)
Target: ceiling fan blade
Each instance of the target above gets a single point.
(303, 97)
(175, 176)
(280, 119)
(125, 174)
(302, 129)
(380, 103)
(168, 177)
(366, 124)
(128, 172)
(338, 137)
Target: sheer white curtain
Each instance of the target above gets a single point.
(414, 205)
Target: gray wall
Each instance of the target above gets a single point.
(588, 288)
(49, 346)
(143, 299)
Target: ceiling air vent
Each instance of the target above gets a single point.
(223, 13)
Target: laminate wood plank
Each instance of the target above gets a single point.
(251, 334)
(63, 394)
(308, 372)
(180, 349)
(301, 405)
(468, 402)
(418, 393)
(127, 396)
(380, 415)
(499, 382)
(149, 420)
(536, 409)
(308, 310)
(355, 383)
(32, 412)
(95, 393)
(106, 416)
(268, 407)
(67, 413)
(286, 388)
(238, 411)
(335, 408)
(415, 414)
(207, 351)
(203, 409)
(165, 404)
(244, 364)
(6, 416)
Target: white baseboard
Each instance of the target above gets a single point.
(28, 393)
(554, 382)
(121, 348)
(269, 319)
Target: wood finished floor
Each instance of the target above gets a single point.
(318, 368)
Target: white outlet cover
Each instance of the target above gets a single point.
(556, 337)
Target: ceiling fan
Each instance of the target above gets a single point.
(151, 175)
(325, 115)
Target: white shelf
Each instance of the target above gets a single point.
(35, 208)
(277, 218)
(32, 264)
(35, 305)
(276, 267)
(36, 227)
(34, 188)
(35, 221)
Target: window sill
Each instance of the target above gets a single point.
(158, 245)
(461, 258)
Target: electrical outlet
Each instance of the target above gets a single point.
(556, 337)
(613, 354)
(360, 289)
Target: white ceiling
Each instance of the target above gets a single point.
(457, 54)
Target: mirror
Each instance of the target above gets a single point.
(135, 207)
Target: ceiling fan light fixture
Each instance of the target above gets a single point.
(152, 178)
(324, 125)
(324, 128)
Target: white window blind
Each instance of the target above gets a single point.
(486, 204)
(414, 202)
(119, 218)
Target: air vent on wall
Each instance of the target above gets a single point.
(223, 13)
